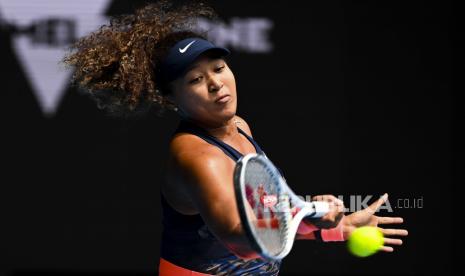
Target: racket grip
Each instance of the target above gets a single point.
(321, 208)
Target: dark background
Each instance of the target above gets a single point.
(355, 99)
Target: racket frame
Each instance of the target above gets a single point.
(306, 209)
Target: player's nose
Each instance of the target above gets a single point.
(215, 85)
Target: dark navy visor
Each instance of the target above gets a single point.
(183, 54)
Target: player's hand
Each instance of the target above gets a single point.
(366, 217)
(333, 217)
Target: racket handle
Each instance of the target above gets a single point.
(321, 208)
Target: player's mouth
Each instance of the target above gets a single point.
(223, 99)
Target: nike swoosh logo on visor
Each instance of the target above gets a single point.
(185, 48)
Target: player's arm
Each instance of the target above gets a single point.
(208, 179)
(328, 227)
(309, 236)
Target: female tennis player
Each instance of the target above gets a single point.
(155, 58)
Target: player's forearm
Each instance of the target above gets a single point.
(309, 236)
(308, 232)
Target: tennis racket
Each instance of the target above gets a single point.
(270, 212)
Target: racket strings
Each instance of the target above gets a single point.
(270, 205)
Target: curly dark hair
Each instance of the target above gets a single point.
(117, 64)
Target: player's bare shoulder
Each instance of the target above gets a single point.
(242, 124)
(189, 150)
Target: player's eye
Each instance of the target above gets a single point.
(195, 80)
(219, 69)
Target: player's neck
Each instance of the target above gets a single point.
(224, 131)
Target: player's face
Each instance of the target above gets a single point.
(207, 92)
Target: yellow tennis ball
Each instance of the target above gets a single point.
(365, 241)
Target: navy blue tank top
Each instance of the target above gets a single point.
(186, 239)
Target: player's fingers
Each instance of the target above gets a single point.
(392, 241)
(387, 249)
(394, 232)
(390, 220)
(375, 205)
